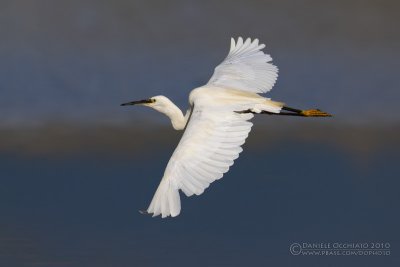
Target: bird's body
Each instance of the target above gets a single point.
(217, 123)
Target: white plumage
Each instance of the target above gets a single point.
(246, 68)
(215, 133)
(216, 126)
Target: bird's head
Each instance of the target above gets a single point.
(159, 103)
(164, 105)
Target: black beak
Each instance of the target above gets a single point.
(145, 101)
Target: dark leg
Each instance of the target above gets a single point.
(292, 109)
(281, 113)
(294, 112)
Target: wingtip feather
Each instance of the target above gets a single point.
(232, 45)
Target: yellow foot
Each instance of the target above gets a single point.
(315, 113)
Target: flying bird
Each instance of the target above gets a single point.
(217, 123)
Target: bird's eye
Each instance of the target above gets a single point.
(152, 100)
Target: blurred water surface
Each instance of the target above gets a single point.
(82, 210)
(78, 60)
(75, 167)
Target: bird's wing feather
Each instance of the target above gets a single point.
(208, 147)
(246, 68)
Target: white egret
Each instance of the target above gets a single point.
(217, 123)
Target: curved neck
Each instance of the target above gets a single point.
(174, 113)
(177, 119)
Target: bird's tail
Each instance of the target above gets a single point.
(268, 106)
(166, 200)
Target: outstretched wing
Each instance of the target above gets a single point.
(246, 68)
(208, 147)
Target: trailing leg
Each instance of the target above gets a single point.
(293, 112)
